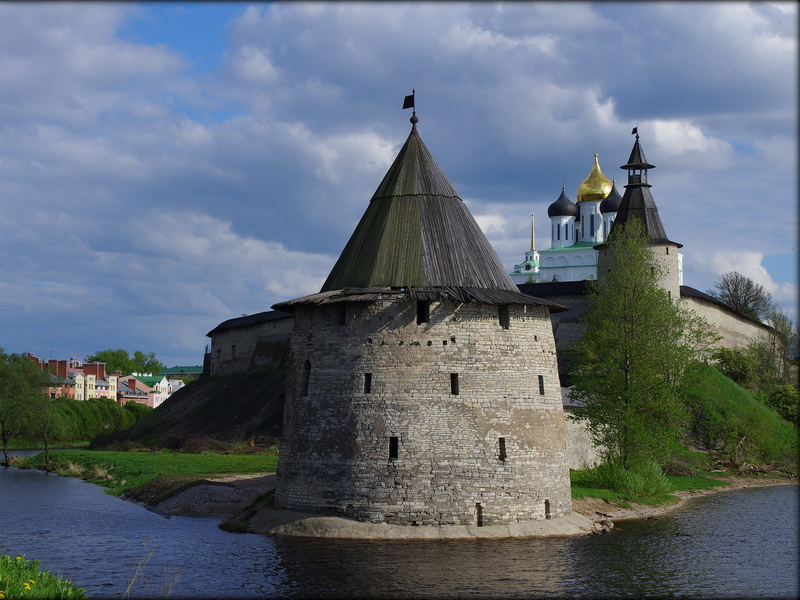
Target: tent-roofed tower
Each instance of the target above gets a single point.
(423, 386)
(417, 232)
(638, 203)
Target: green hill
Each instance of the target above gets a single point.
(243, 408)
(727, 418)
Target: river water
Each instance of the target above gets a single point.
(730, 545)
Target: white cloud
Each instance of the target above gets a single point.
(493, 226)
(749, 264)
(144, 200)
(253, 65)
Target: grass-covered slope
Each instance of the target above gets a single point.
(230, 408)
(727, 418)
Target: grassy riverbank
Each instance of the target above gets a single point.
(151, 477)
(123, 472)
(21, 578)
(581, 490)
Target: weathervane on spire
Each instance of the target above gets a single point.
(408, 102)
(635, 132)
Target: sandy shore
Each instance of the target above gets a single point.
(232, 498)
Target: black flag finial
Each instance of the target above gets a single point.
(635, 131)
(408, 102)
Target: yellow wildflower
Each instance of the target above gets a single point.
(26, 586)
(32, 581)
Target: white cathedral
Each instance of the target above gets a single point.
(575, 229)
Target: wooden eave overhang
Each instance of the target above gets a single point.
(463, 295)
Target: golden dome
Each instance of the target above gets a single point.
(596, 186)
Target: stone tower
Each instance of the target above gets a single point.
(638, 203)
(423, 386)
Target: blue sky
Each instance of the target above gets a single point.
(167, 166)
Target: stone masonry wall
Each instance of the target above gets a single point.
(388, 420)
(735, 331)
(581, 451)
(242, 349)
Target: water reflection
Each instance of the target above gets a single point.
(441, 569)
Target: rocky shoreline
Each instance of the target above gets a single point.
(238, 501)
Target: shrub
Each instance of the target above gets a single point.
(642, 480)
(137, 410)
(735, 365)
(785, 400)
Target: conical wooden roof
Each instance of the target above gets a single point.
(637, 201)
(417, 232)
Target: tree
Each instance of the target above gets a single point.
(46, 420)
(742, 294)
(629, 368)
(120, 360)
(21, 382)
(782, 342)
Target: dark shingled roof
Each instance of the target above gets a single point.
(637, 160)
(417, 232)
(637, 202)
(553, 288)
(693, 293)
(250, 320)
(562, 207)
(612, 201)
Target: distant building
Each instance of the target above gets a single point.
(575, 231)
(74, 379)
(156, 387)
(126, 393)
(565, 279)
(182, 372)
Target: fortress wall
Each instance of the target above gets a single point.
(581, 451)
(736, 331)
(242, 349)
(567, 326)
(448, 393)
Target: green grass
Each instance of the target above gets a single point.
(121, 472)
(694, 482)
(21, 578)
(18, 444)
(581, 489)
(727, 417)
